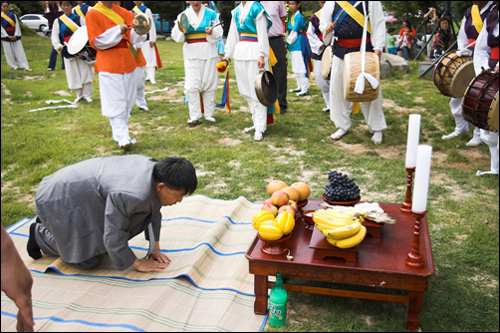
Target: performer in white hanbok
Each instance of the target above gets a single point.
(11, 40)
(248, 44)
(200, 58)
(148, 48)
(109, 33)
(79, 73)
(348, 32)
(469, 31)
(315, 38)
(486, 57)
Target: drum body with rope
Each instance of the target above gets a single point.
(453, 74)
(326, 62)
(79, 46)
(353, 68)
(480, 102)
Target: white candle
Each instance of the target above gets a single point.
(422, 175)
(413, 140)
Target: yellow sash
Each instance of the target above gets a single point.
(476, 18)
(68, 22)
(136, 10)
(8, 19)
(355, 14)
(78, 10)
(113, 16)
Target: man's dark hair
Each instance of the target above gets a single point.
(176, 173)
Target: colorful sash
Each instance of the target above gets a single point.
(196, 38)
(8, 19)
(476, 18)
(70, 24)
(109, 13)
(248, 37)
(354, 13)
(78, 10)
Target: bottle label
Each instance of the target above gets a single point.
(277, 310)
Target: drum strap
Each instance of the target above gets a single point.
(476, 18)
(109, 13)
(8, 19)
(70, 24)
(354, 13)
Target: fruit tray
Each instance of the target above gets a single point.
(323, 249)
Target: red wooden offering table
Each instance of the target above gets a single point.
(380, 263)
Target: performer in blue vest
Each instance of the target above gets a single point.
(298, 45)
(248, 44)
(79, 74)
(200, 58)
(11, 40)
(348, 32)
(81, 9)
(467, 35)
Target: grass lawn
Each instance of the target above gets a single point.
(462, 208)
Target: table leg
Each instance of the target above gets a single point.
(260, 289)
(414, 308)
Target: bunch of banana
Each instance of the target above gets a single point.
(343, 229)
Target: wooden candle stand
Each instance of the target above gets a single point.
(414, 258)
(406, 206)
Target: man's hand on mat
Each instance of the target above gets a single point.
(159, 256)
(149, 265)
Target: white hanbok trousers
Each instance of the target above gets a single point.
(461, 125)
(141, 84)
(118, 96)
(80, 76)
(322, 83)
(150, 56)
(14, 55)
(299, 69)
(491, 139)
(341, 109)
(245, 72)
(200, 78)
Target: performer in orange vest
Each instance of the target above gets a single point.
(109, 33)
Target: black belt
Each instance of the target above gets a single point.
(274, 37)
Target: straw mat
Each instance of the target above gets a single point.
(207, 286)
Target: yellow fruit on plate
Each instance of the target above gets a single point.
(275, 185)
(270, 232)
(304, 190)
(293, 193)
(349, 242)
(261, 217)
(286, 221)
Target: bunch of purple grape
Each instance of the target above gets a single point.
(341, 188)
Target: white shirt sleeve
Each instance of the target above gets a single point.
(314, 40)
(263, 39)
(377, 21)
(176, 34)
(109, 38)
(232, 39)
(56, 29)
(325, 18)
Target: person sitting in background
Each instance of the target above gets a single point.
(443, 38)
(407, 39)
(391, 42)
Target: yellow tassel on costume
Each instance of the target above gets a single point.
(355, 108)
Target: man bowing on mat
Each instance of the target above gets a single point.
(94, 207)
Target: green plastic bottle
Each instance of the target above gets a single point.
(277, 303)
